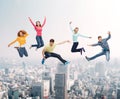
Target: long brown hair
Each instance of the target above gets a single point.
(23, 31)
(39, 23)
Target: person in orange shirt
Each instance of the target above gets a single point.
(21, 39)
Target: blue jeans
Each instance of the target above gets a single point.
(22, 51)
(40, 42)
(104, 52)
(49, 54)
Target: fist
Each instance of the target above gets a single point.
(108, 32)
(70, 22)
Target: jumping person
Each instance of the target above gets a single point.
(38, 27)
(21, 39)
(75, 40)
(105, 48)
(48, 51)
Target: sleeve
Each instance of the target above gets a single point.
(32, 22)
(95, 44)
(109, 36)
(44, 22)
(83, 36)
(13, 41)
(70, 27)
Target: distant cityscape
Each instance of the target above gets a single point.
(79, 80)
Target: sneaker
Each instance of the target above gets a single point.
(43, 61)
(66, 63)
(87, 58)
(83, 49)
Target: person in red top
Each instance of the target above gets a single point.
(38, 27)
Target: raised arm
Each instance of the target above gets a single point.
(12, 43)
(109, 35)
(67, 41)
(70, 26)
(44, 22)
(31, 22)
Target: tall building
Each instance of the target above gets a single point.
(100, 69)
(47, 77)
(60, 86)
(6, 71)
(37, 90)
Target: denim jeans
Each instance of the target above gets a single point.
(74, 47)
(106, 53)
(40, 42)
(49, 54)
(22, 51)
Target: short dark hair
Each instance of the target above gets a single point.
(52, 40)
(99, 37)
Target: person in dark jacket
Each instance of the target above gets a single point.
(105, 48)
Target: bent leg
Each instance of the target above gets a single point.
(41, 42)
(25, 52)
(97, 55)
(37, 40)
(20, 52)
(107, 54)
(74, 47)
(47, 55)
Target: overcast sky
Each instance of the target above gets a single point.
(93, 17)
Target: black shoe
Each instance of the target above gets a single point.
(83, 49)
(87, 58)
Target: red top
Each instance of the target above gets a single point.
(38, 28)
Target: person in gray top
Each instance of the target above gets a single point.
(105, 48)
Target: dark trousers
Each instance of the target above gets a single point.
(22, 51)
(49, 54)
(40, 42)
(74, 47)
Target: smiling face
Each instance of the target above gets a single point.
(76, 30)
(20, 34)
(38, 23)
(99, 38)
(51, 42)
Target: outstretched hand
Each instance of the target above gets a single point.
(108, 32)
(68, 41)
(70, 22)
(90, 37)
(89, 45)
(9, 45)
(29, 18)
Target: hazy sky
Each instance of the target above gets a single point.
(93, 17)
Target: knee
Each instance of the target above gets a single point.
(58, 55)
(42, 45)
(72, 50)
